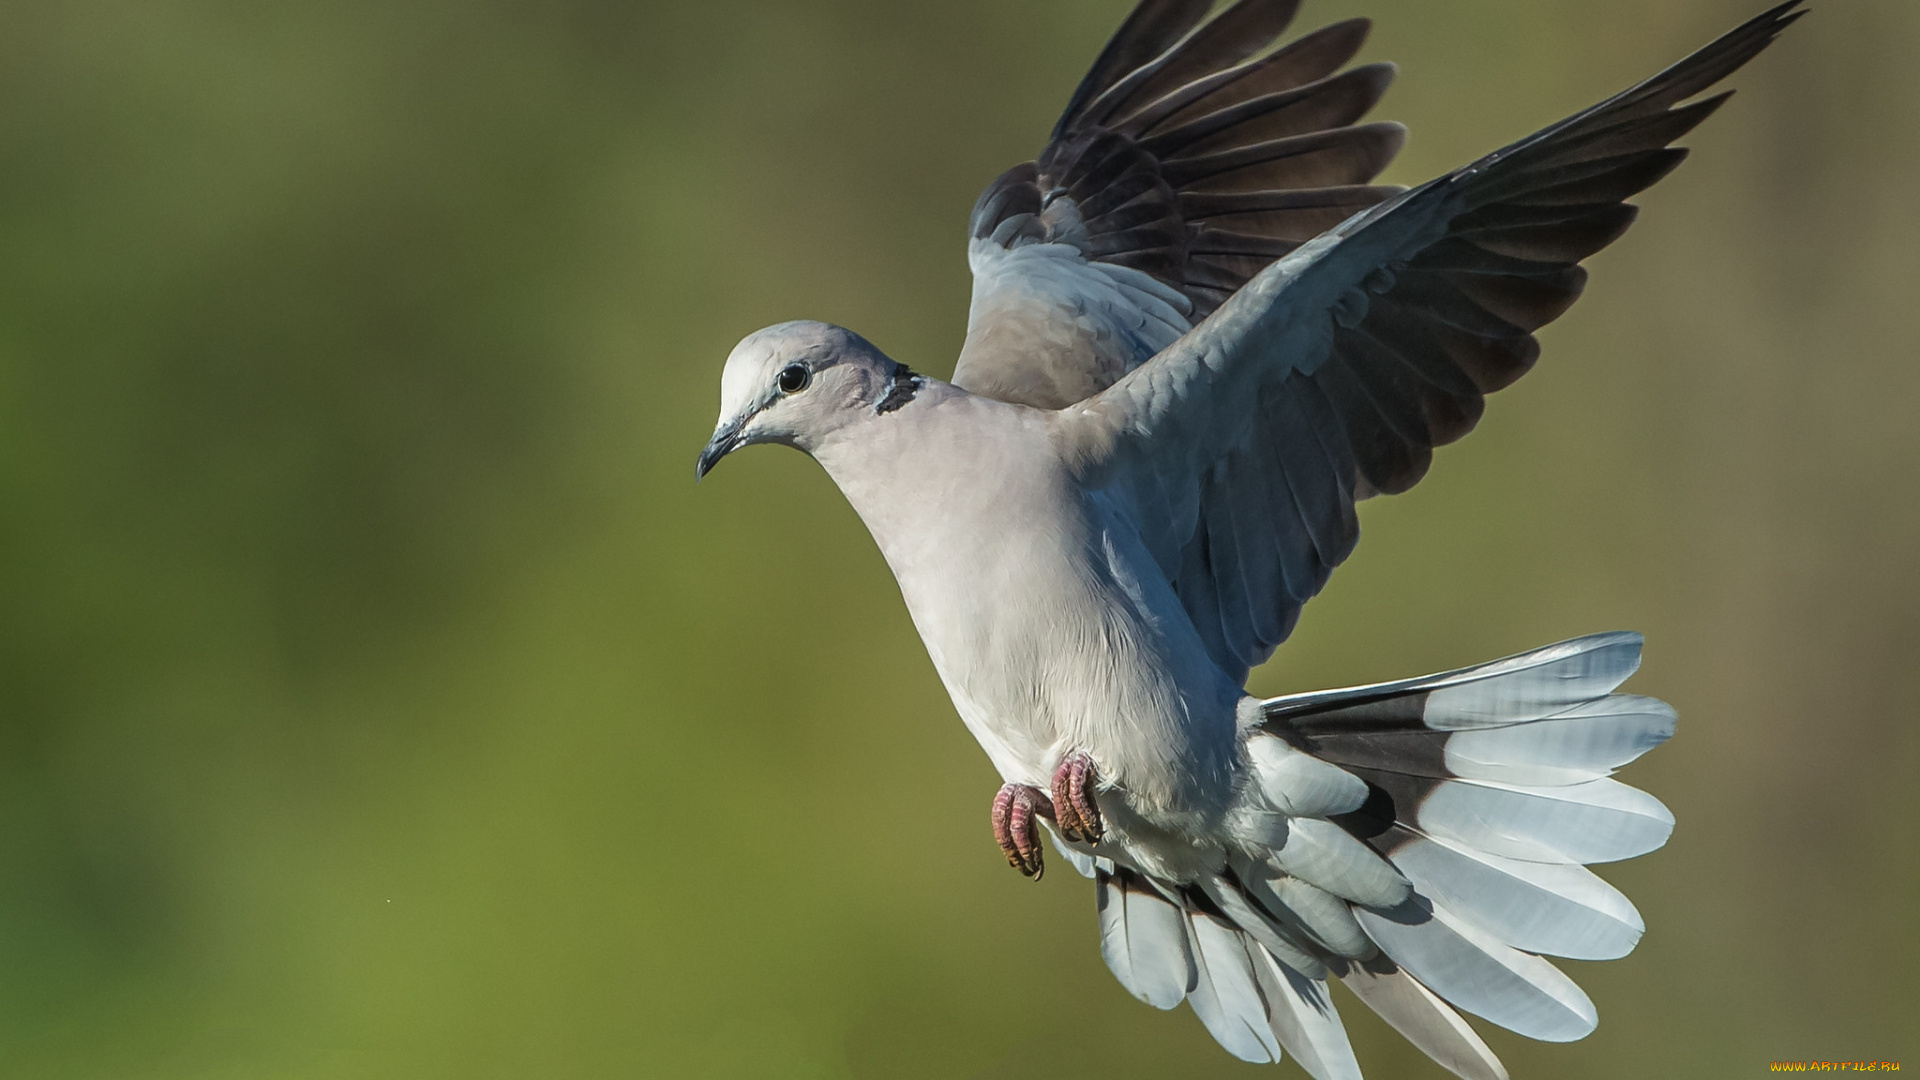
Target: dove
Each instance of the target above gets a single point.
(1199, 337)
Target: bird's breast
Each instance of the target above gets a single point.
(1048, 623)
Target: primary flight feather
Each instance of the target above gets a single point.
(1199, 335)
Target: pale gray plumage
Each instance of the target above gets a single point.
(1558, 909)
(1199, 336)
(1227, 996)
(1143, 938)
(1482, 974)
(1304, 1021)
(1427, 1022)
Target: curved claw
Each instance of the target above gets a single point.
(1015, 829)
(1078, 816)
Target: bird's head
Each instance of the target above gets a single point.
(797, 383)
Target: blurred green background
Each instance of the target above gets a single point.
(379, 697)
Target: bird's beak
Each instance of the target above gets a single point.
(726, 439)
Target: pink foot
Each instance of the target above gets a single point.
(1077, 816)
(1014, 826)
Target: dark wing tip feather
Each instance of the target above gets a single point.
(1711, 62)
(1299, 62)
(1230, 37)
(1658, 95)
(1149, 30)
(1188, 101)
(1331, 102)
(1720, 58)
(1521, 220)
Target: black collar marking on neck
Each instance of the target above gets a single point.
(900, 389)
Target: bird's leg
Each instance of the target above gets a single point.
(1015, 827)
(1073, 786)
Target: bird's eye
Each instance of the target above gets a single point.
(794, 378)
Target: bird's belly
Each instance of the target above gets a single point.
(1047, 650)
(1046, 617)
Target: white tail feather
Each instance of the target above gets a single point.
(1300, 784)
(1320, 915)
(1278, 940)
(1326, 855)
(1583, 743)
(1533, 685)
(1427, 1022)
(1143, 939)
(1304, 1020)
(1556, 909)
(1476, 972)
(1596, 821)
(1492, 785)
(1526, 686)
(1226, 995)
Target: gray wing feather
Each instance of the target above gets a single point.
(1334, 372)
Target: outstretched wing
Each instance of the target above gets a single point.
(1333, 374)
(1185, 163)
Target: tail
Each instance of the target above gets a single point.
(1427, 841)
